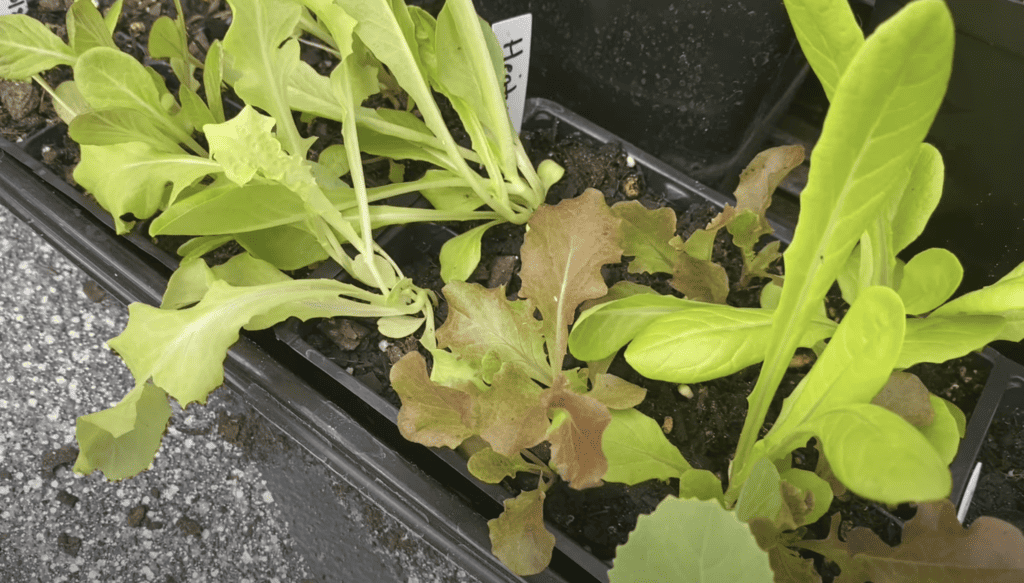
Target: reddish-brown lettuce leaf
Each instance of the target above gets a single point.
(935, 548)
(562, 257)
(482, 322)
(431, 414)
(510, 416)
(576, 443)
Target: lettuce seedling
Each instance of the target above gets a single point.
(871, 179)
(148, 153)
(498, 388)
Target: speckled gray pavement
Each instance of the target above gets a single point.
(207, 511)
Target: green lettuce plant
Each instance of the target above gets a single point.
(872, 183)
(255, 179)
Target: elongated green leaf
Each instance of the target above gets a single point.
(600, 331)
(882, 109)
(1004, 298)
(690, 540)
(929, 279)
(86, 28)
(231, 209)
(182, 351)
(854, 367)
(108, 78)
(387, 29)
(701, 343)
(461, 254)
(190, 282)
(708, 341)
(941, 338)
(122, 440)
(637, 450)
(286, 247)
(213, 76)
(469, 75)
(263, 61)
(829, 36)
(27, 47)
(374, 138)
(919, 199)
(131, 178)
(119, 125)
(112, 15)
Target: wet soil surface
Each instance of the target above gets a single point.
(1000, 491)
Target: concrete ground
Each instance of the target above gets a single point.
(227, 499)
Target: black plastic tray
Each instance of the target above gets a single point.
(683, 191)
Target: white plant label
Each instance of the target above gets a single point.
(13, 7)
(514, 37)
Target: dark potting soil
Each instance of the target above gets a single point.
(1000, 491)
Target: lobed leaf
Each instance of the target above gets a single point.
(700, 484)
(511, 416)
(261, 56)
(934, 547)
(121, 441)
(518, 536)
(130, 178)
(645, 237)
(481, 322)
(690, 540)
(157, 342)
(431, 414)
(562, 256)
(576, 444)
